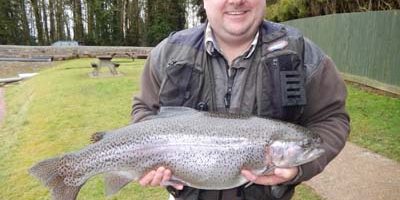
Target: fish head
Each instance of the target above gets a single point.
(290, 153)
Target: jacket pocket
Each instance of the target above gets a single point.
(180, 85)
(283, 83)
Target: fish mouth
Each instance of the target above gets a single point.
(309, 155)
(290, 154)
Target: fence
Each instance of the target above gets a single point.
(365, 46)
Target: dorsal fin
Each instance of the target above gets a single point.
(97, 136)
(229, 115)
(174, 111)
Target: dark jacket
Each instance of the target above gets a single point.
(287, 78)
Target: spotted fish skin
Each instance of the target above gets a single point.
(203, 150)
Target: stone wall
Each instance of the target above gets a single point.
(68, 52)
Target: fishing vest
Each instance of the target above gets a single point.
(188, 80)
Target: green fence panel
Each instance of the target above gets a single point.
(361, 44)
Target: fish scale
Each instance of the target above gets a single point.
(203, 150)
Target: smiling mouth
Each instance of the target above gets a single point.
(236, 12)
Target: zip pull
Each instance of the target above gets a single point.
(171, 62)
(227, 98)
(228, 95)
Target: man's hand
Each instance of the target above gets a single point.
(279, 175)
(158, 178)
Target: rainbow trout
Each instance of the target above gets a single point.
(203, 150)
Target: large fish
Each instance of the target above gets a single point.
(203, 150)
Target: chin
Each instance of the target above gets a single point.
(239, 30)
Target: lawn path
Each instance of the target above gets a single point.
(357, 173)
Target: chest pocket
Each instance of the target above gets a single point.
(181, 85)
(284, 82)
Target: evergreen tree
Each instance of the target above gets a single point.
(38, 21)
(132, 23)
(78, 21)
(164, 17)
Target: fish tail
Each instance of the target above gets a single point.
(46, 172)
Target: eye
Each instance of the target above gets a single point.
(305, 144)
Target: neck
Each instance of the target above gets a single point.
(234, 47)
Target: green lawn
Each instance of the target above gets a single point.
(58, 110)
(375, 122)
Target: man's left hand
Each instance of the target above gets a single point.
(279, 175)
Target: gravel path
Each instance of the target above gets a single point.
(357, 173)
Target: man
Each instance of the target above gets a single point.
(239, 63)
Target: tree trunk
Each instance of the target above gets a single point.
(38, 21)
(52, 21)
(60, 33)
(24, 21)
(45, 24)
(133, 23)
(78, 22)
(90, 12)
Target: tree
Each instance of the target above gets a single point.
(5, 22)
(201, 13)
(90, 13)
(282, 10)
(59, 19)
(23, 20)
(117, 22)
(52, 32)
(138, 22)
(132, 23)
(78, 21)
(164, 17)
(45, 22)
(38, 21)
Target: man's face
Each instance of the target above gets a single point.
(234, 18)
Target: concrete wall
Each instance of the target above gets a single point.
(61, 53)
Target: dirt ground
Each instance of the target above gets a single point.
(373, 90)
(12, 69)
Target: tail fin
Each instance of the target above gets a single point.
(46, 172)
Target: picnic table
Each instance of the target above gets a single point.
(105, 61)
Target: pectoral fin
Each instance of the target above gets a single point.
(173, 181)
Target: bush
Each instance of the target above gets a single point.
(286, 10)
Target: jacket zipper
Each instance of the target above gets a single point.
(228, 95)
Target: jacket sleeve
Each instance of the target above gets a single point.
(325, 114)
(146, 103)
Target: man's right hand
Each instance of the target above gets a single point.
(158, 178)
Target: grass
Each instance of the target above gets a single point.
(375, 121)
(58, 110)
(304, 192)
